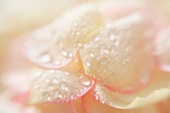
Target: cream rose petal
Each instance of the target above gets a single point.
(93, 106)
(59, 86)
(56, 44)
(117, 54)
(157, 90)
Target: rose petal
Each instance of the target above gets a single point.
(93, 106)
(157, 90)
(59, 86)
(55, 45)
(55, 108)
(164, 106)
(78, 106)
(116, 52)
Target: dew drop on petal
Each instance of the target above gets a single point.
(85, 81)
(91, 54)
(103, 60)
(62, 85)
(49, 99)
(64, 53)
(57, 62)
(88, 64)
(97, 97)
(45, 58)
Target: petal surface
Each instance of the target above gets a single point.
(93, 106)
(59, 86)
(119, 51)
(157, 90)
(55, 108)
(55, 45)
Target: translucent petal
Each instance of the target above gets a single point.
(157, 90)
(59, 86)
(119, 51)
(93, 106)
(55, 108)
(164, 106)
(55, 45)
(77, 105)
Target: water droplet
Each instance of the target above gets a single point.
(112, 37)
(97, 39)
(76, 60)
(56, 92)
(97, 97)
(49, 99)
(79, 44)
(91, 54)
(96, 90)
(67, 73)
(103, 60)
(87, 64)
(55, 81)
(71, 96)
(51, 71)
(47, 80)
(66, 88)
(102, 101)
(62, 85)
(57, 62)
(45, 58)
(70, 55)
(85, 81)
(60, 96)
(64, 53)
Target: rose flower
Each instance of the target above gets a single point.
(97, 57)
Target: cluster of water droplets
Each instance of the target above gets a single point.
(112, 54)
(100, 96)
(59, 86)
(56, 44)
